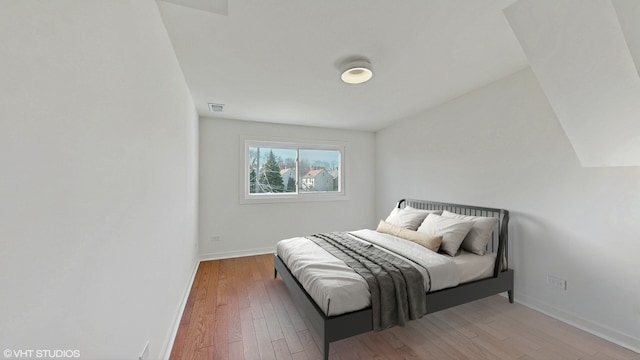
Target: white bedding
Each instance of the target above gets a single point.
(474, 267)
(337, 289)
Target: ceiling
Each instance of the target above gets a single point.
(278, 61)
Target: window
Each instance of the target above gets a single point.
(287, 170)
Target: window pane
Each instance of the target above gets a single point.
(272, 170)
(319, 170)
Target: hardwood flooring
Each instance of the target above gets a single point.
(237, 310)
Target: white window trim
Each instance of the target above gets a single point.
(246, 198)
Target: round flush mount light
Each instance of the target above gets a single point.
(357, 71)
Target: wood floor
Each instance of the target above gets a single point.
(237, 310)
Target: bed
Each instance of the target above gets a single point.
(336, 299)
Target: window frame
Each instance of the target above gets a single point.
(279, 143)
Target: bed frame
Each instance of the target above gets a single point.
(333, 328)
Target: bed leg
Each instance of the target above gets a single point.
(275, 273)
(510, 292)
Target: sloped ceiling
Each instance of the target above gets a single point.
(583, 61)
(277, 61)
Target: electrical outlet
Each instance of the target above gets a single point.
(557, 282)
(215, 237)
(144, 355)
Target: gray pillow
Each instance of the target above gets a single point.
(478, 237)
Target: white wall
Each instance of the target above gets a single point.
(98, 153)
(502, 146)
(255, 228)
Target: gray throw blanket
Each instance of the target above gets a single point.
(396, 287)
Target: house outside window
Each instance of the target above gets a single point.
(318, 180)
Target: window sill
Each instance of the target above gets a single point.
(269, 199)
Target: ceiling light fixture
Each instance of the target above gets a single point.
(357, 71)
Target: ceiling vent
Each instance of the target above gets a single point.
(216, 107)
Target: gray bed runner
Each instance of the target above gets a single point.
(396, 287)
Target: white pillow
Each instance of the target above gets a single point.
(453, 231)
(408, 217)
(478, 237)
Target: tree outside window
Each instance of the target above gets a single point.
(293, 170)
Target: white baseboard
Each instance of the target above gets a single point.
(168, 346)
(599, 330)
(235, 254)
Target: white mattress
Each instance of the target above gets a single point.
(474, 267)
(337, 289)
